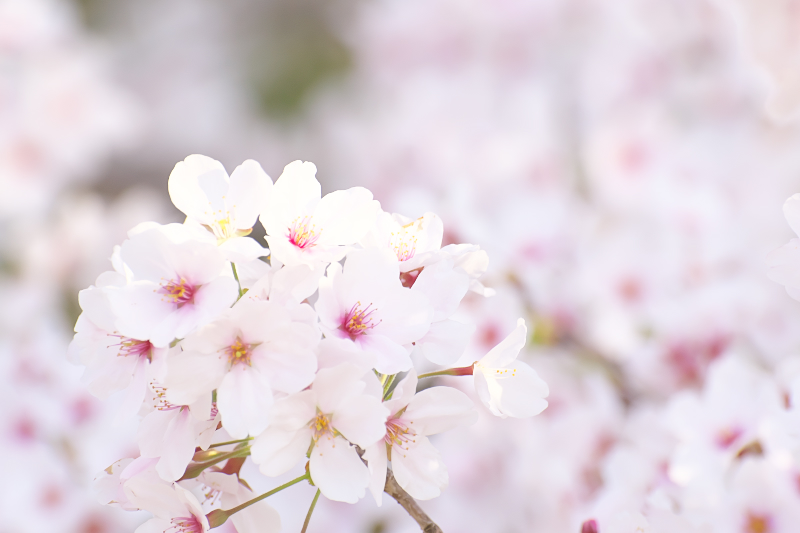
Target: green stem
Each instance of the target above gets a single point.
(310, 510)
(218, 444)
(460, 371)
(219, 516)
(195, 469)
(236, 276)
(387, 385)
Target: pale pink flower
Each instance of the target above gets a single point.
(340, 408)
(175, 286)
(413, 242)
(416, 464)
(506, 386)
(305, 228)
(227, 207)
(216, 490)
(365, 304)
(250, 352)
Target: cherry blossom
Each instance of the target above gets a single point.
(251, 350)
(174, 287)
(336, 413)
(413, 242)
(416, 464)
(227, 207)
(506, 386)
(305, 228)
(365, 303)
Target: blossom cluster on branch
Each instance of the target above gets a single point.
(306, 358)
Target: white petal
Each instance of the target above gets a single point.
(154, 525)
(420, 470)
(403, 393)
(296, 193)
(361, 419)
(791, 210)
(277, 450)
(377, 461)
(191, 375)
(784, 264)
(248, 194)
(184, 189)
(445, 341)
(389, 356)
(243, 399)
(179, 439)
(242, 249)
(338, 471)
(508, 349)
(444, 286)
(333, 386)
(515, 391)
(150, 435)
(440, 409)
(257, 518)
(345, 216)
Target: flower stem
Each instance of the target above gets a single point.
(460, 371)
(236, 277)
(387, 385)
(218, 444)
(310, 510)
(195, 469)
(218, 517)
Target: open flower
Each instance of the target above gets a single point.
(416, 464)
(338, 409)
(176, 511)
(175, 286)
(305, 228)
(227, 207)
(172, 432)
(506, 386)
(251, 350)
(365, 304)
(413, 242)
(217, 490)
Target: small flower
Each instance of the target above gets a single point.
(305, 228)
(336, 409)
(506, 386)
(416, 464)
(226, 207)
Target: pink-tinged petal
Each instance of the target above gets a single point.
(154, 525)
(214, 297)
(444, 287)
(345, 216)
(791, 210)
(243, 399)
(508, 349)
(333, 386)
(97, 308)
(390, 357)
(290, 368)
(258, 518)
(482, 390)
(361, 420)
(515, 391)
(329, 309)
(135, 393)
(108, 372)
(179, 444)
(152, 430)
(296, 193)
(248, 194)
(440, 409)
(190, 376)
(369, 275)
(294, 411)
(276, 450)
(191, 504)
(377, 462)
(207, 429)
(338, 471)
(155, 495)
(332, 352)
(139, 309)
(242, 249)
(784, 264)
(445, 341)
(406, 316)
(184, 188)
(403, 393)
(420, 470)
(296, 282)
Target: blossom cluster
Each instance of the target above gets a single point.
(307, 358)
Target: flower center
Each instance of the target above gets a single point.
(404, 241)
(321, 426)
(178, 292)
(357, 321)
(398, 433)
(136, 348)
(160, 401)
(303, 233)
(239, 352)
(185, 524)
(758, 523)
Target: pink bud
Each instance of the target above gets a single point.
(590, 526)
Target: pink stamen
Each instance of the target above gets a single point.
(178, 292)
(398, 433)
(185, 524)
(303, 233)
(160, 401)
(134, 347)
(357, 321)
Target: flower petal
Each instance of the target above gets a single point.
(338, 471)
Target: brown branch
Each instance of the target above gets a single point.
(411, 506)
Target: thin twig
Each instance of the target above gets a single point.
(411, 506)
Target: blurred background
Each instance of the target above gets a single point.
(623, 162)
